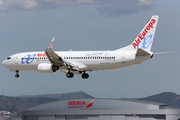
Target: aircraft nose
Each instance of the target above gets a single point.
(4, 63)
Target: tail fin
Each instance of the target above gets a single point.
(145, 38)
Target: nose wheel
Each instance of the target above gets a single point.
(17, 75)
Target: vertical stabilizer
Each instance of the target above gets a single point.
(145, 38)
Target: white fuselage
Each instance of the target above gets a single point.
(94, 60)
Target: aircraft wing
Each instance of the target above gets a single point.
(76, 66)
(58, 61)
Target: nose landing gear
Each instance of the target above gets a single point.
(17, 75)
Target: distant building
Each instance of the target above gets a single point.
(5, 112)
(5, 115)
(101, 109)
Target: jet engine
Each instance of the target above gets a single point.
(47, 68)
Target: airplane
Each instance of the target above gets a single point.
(79, 62)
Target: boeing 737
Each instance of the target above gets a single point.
(79, 62)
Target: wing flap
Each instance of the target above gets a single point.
(77, 66)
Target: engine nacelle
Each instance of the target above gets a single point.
(47, 68)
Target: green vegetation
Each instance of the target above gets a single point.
(14, 106)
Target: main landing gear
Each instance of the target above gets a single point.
(85, 75)
(17, 75)
(71, 75)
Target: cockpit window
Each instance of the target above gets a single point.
(8, 58)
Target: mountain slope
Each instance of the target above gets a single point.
(12, 105)
(168, 98)
(41, 99)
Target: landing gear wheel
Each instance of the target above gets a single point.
(69, 75)
(16, 75)
(85, 76)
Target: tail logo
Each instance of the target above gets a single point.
(142, 35)
(146, 42)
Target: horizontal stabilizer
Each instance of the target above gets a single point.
(141, 52)
(161, 53)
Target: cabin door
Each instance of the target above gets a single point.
(123, 59)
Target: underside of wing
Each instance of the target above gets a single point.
(54, 58)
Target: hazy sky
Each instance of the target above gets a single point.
(29, 25)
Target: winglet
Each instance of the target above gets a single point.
(51, 43)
